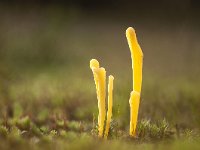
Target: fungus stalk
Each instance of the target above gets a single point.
(99, 78)
(137, 62)
(110, 104)
(100, 82)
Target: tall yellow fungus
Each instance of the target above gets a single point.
(137, 62)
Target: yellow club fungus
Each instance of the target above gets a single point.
(110, 104)
(100, 82)
(94, 64)
(137, 62)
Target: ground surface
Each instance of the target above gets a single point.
(47, 93)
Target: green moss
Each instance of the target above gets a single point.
(24, 123)
(3, 131)
(74, 125)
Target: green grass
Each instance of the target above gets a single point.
(24, 133)
(42, 111)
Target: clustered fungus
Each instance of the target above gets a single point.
(100, 82)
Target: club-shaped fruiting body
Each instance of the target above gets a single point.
(137, 62)
(134, 102)
(100, 82)
(110, 104)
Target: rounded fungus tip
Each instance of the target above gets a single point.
(130, 30)
(94, 63)
(135, 93)
(111, 77)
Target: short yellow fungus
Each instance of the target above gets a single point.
(137, 62)
(110, 104)
(100, 82)
(134, 102)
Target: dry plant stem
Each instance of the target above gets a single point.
(110, 104)
(137, 62)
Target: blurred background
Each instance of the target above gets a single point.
(46, 46)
